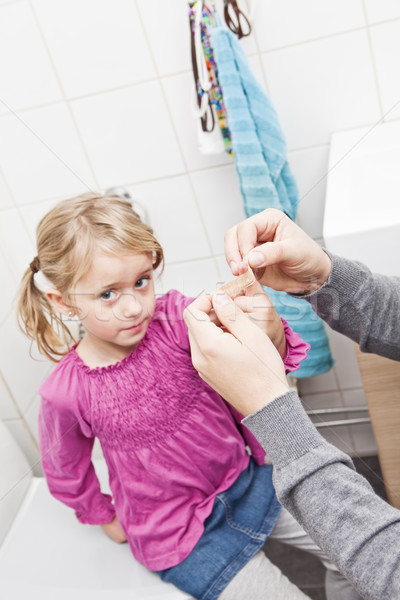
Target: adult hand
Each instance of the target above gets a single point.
(259, 308)
(281, 254)
(240, 363)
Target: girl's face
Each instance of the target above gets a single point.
(115, 300)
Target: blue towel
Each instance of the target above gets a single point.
(266, 181)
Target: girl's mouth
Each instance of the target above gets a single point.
(136, 327)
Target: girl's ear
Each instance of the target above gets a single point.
(56, 300)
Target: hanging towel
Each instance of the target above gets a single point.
(259, 150)
(208, 91)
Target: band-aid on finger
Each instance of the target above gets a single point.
(237, 285)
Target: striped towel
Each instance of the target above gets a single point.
(259, 149)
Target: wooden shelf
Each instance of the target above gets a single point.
(381, 382)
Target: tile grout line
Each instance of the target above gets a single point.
(181, 150)
(65, 99)
(372, 57)
(325, 37)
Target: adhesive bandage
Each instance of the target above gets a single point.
(237, 285)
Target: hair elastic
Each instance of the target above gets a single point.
(35, 265)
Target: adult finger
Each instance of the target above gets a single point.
(257, 229)
(254, 289)
(232, 252)
(235, 320)
(200, 307)
(202, 330)
(268, 254)
(255, 344)
(254, 297)
(250, 304)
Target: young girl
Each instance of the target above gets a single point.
(188, 498)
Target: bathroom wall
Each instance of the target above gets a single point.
(97, 93)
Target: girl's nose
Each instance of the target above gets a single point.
(130, 306)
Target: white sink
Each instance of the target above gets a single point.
(362, 210)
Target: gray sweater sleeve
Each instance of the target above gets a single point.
(317, 483)
(363, 306)
(314, 480)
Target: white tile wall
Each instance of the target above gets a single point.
(8, 408)
(220, 202)
(310, 168)
(31, 417)
(183, 237)
(224, 272)
(386, 49)
(167, 28)
(323, 86)
(382, 10)
(16, 247)
(95, 45)
(192, 278)
(289, 22)
(41, 154)
(31, 214)
(104, 97)
(6, 200)
(15, 361)
(10, 289)
(21, 433)
(128, 135)
(26, 74)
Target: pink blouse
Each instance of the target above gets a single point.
(171, 443)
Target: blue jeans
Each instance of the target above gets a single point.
(242, 518)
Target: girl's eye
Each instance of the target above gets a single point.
(142, 282)
(108, 295)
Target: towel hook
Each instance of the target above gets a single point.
(235, 19)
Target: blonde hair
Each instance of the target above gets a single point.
(67, 238)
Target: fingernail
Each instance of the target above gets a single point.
(233, 267)
(256, 259)
(221, 299)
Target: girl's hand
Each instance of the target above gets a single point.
(258, 306)
(114, 531)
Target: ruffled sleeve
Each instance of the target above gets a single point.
(66, 441)
(296, 349)
(169, 316)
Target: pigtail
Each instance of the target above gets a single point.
(39, 321)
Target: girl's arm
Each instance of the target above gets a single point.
(66, 443)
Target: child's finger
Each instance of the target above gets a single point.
(235, 320)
